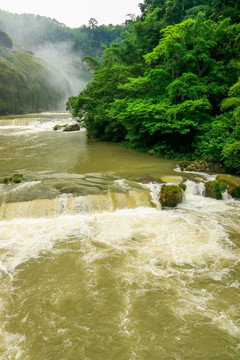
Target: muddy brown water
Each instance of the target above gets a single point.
(92, 268)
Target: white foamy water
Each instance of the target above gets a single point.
(169, 251)
(33, 125)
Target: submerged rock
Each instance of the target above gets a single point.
(148, 180)
(15, 179)
(172, 179)
(74, 127)
(171, 195)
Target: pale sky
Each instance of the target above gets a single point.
(75, 13)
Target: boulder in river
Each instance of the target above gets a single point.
(59, 127)
(232, 184)
(214, 189)
(171, 195)
(74, 127)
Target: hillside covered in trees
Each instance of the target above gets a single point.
(172, 84)
(26, 84)
(61, 46)
(29, 84)
(32, 31)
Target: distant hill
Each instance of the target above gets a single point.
(5, 40)
(59, 45)
(26, 84)
(32, 31)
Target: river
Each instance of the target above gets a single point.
(92, 268)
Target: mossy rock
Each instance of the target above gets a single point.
(214, 189)
(170, 195)
(6, 180)
(15, 179)
(59, 127)
(183, 186)
(232, 184)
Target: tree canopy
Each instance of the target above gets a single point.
(172, 84)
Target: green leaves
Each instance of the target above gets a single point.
(169, 45)
(173, 88)
(188, 86)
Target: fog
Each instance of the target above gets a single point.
(62, 58)
(40, 36)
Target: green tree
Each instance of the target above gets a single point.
(170, 86)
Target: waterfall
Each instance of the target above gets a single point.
(18, 122)
(69, 205)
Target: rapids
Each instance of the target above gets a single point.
(92, 268)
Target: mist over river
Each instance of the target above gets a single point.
(91, 267)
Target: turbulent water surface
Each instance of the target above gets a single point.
(92, 268)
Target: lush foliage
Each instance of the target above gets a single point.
(172, 85)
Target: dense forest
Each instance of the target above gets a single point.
(172, 84)
(33, 31)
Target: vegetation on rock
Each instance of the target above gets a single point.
(231, 183)
(214, 189)
(170, 195)
(15, 179)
